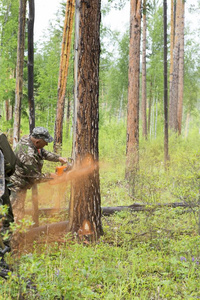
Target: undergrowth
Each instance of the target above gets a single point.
(152, 254)
(138, 257)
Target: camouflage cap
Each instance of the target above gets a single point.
(42, 133)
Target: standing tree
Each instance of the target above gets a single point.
(132, 146)
(31, 98)
(8, 43)
(64, 64)
(172, 22)
(144, 92)
(176, 88)
(181, 68)
(31, 66)
(165, 83)
(85, 204)
(19, 71)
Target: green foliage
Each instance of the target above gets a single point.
(125, 264)
(117, 4)
(191, 75)
(142, 255)
(155, 53)
(114, 81)
(47, 63)
(47, 70)
(8, 48)
(152, 254)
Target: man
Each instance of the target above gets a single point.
(30, 155)
(7, 167)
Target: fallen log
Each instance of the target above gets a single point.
(49, 229)
(106, 211)
(62, 227)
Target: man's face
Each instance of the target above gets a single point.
(40, 144)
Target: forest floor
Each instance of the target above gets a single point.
(152, 254)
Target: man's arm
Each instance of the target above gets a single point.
(53, 157)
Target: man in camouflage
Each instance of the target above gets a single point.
(30, 156)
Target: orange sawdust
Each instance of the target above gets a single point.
(85, 168)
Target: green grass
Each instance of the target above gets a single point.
(153, 254)
(131, 261)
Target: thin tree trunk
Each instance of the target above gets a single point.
(35, 206)
(156, 116)
(68, 114)
(166, 156)
(31, 66)
(150, 105)
(144, 93)
(85, 203)
(152, 117)
(7, 109)
(62, 81)
(187, 124)
(31, 97)
(172, 34)
(181, 69)
(120, 107)
(19, 71)
(132, 146)
(173, 107)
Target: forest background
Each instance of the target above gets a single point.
(152, 254)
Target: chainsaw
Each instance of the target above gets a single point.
(60, 170)
(66, 173)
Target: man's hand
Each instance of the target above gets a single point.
(79, 172)
(63, 160)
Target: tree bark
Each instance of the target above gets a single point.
(144, 93)
(35, 205)
(172, 34)
(85, 203)
(181, 69)
(68, 114)
(150, 105)
(31, 66)
(62, 81)
(174, 92)
(19, 72)
(166, 156)
(132, 146)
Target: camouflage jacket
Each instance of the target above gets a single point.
(29, 164)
